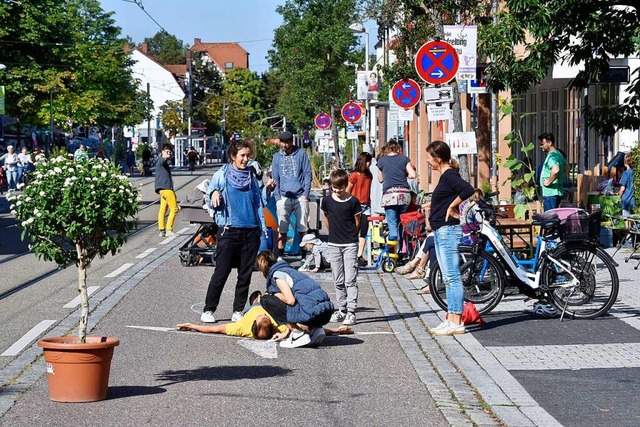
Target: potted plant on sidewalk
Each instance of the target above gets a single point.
(72, 212)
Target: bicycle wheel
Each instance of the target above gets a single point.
(597, 286)
(388, 264)
(482, 281)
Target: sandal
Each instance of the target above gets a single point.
(418, 273)
(424, 290)
(406, 269)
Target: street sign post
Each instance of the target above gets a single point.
(406, 93)
(351, 112)
(323, 121)
(437, 62)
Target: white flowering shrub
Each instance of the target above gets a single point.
(72, 212)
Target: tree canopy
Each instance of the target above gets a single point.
(71, 51)
(166, 48)
(311, 54)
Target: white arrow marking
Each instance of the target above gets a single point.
(439, 74)
(406, 85)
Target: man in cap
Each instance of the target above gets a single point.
(292, 175)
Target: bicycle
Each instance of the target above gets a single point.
(383, 257)
(569, 269)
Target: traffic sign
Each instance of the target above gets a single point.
(406, 93)
(437, 62)
(351, 112)
(323, 121)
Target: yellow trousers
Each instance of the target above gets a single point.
(167, 200)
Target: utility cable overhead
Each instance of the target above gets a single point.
(139, 4)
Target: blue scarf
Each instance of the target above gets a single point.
(240, 179)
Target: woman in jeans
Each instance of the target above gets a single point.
(234, 196)
(444, 218)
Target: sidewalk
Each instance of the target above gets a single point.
(517, 370)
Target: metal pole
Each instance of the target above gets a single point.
(50, 120)
(149, 120)
(190, 89)
(494, 118)
(367, 140)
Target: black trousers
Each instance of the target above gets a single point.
(237, 248)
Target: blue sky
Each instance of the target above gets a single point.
(249, 22)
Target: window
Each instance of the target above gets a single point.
(228, 65)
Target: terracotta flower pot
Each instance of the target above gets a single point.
(78, 372)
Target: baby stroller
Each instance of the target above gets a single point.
(201, 247)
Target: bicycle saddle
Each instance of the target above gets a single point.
(546, 219)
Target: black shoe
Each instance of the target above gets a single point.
(362, 262)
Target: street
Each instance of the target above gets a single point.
(517, 369)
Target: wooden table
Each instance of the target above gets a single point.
(517, 233)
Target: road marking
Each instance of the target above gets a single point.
(28, 338)
(76, 301)
(183, 231)
(145, 253)
(168, 239)
(122, 269)
(264, 349)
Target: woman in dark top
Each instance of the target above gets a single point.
(394, 169)
(444, 218)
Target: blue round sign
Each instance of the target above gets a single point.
(437, 62)
(406, 93)
(323, 121)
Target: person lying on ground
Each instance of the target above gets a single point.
(256, 323)
(294, 299)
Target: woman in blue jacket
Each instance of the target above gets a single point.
(294, 299)
(234, 196)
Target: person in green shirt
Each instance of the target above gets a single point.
(553, 172)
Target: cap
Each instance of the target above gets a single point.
(286, 136)
(310, 238)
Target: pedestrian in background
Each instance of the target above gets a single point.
(80, 154)
(11, 162)
(25, 165)
(553, 172)
(627, 197)
(130, 160)
(394, 169)
(445, 222)
(292, 175)
(360, 187)
(164, 187)
(234, 195)
(342, 219)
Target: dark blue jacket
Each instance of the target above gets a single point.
(311, 299)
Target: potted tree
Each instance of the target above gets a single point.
(72, 212)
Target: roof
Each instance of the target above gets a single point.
(177, 69)
(226, 55)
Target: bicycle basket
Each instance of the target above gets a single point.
(470, 217)
(581, 226)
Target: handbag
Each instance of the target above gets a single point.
(470, 315)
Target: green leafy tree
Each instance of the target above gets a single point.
(73, 212)
(172, 118)
(206, 81)
(311, 50)
(166, 48)
(248, 89)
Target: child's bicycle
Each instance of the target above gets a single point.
(383, 256)
(569, 269)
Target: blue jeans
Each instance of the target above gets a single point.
(447, 239)
(551, 202)
(392, 215)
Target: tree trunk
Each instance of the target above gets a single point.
(457, 124)
(84, 298)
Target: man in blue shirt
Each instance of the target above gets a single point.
(292, 175)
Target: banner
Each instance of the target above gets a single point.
(464, 38)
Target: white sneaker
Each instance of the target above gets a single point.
(296, 339)
(169, 233)
(440, 326)
(451, 329)
(349, 319)
(338, 316)
(236, 316)
(161, 233)
(208, 317)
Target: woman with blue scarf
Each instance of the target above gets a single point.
(234, 196)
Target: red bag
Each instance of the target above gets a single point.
(470, 315)
(412, 222)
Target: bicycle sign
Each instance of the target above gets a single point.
(351, 112)
(437, 62)
(323, 121)
(406, 93)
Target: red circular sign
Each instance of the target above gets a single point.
(323, 121)
(437, 62)
(406, 93)
(351, 112)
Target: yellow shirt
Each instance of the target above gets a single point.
(242, 328)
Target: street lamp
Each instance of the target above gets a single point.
(358, 28)
(2, 68)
